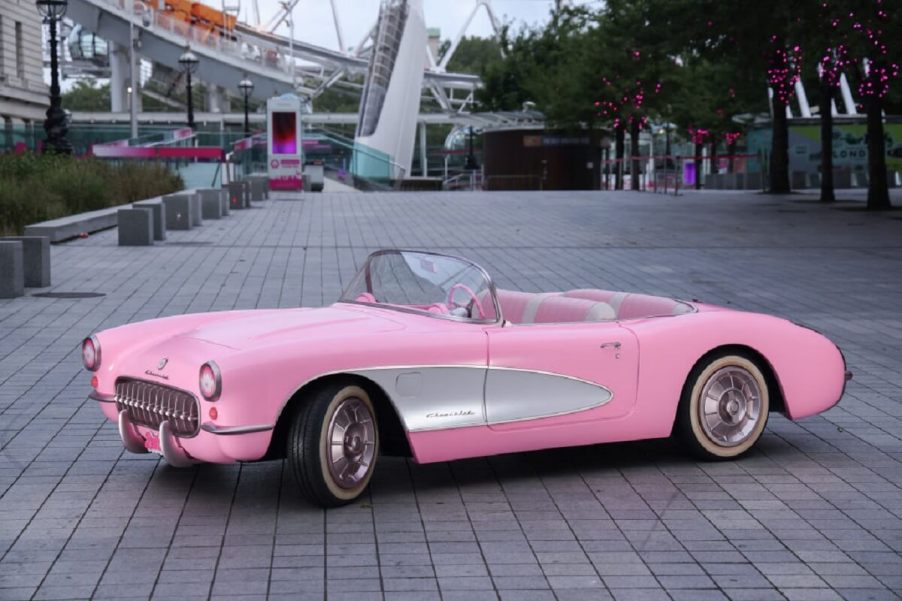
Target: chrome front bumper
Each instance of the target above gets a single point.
(169, 447)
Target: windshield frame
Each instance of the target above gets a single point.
(404, 309)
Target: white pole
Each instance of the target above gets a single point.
(133, 77)
(454, 43)
(846, 93)
(804, 107)
(338, 32)
(289, 8)
(423, 159)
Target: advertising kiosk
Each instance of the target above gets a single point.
(284, 152)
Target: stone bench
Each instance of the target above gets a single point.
(72, 226)
(136, 227)
(178, 211)
(158, 209)
(211, 202)
(35, 259)
(12, 270)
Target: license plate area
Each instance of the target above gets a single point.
(151, 441)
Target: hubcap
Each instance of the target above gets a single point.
(730, 406)
(352, 438)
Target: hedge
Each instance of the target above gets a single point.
(36, 188)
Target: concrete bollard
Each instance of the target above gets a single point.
(178, 211)
(136, 227)
(197, 209)
(842, 178)
(753, 181)
(728, 180)
(211, 202)
(12, 269)
(35, 259)
(237, 195)
(259, 186)
(159, 215)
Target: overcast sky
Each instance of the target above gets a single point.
(313, 18)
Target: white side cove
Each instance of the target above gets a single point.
(390, 101)
(439, 397)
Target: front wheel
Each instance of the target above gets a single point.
(724, 407)
(333, 444)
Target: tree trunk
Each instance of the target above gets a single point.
(715, 163)
(606, 167)
(619, 143)
(698, 165)
(731, 161)
(878, 186)
(826, 110)
(779, 150)
(634, 154)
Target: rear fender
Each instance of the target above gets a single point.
(807, 366)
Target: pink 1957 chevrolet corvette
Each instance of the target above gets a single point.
(423, 355)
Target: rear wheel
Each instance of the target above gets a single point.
(333, 444)
(724, 407)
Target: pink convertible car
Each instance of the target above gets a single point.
(423, 355)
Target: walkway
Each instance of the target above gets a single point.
(814, 513)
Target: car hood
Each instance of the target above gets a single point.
(242, 330)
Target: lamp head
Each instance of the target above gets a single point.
(188, 61)
(52, 9)
(246, 86)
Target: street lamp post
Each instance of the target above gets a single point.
(471, 164)
(56, 124)
(246, 86)
(188, 61)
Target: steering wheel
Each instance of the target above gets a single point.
(474, 300)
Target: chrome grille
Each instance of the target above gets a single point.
(150, 404)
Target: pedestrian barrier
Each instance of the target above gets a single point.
(135, 226)
(12, 271)
(35, 259)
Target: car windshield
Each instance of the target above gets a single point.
(434, 284)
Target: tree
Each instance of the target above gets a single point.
(874, 26)
(830, 41)
(86, 96)
(473, 54)
(629, 36)
(550, 66)
(761, 40)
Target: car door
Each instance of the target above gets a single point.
(553, 374)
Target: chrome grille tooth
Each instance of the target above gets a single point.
(150, 404)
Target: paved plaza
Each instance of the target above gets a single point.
(814, 513)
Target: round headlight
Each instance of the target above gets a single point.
(210, 381)
(90, 353)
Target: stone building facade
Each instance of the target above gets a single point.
(23, 93)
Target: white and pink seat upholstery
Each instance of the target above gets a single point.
(583, 305)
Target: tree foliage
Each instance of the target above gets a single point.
(86, 96)
(704, 65)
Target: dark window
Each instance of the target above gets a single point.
(20, 58)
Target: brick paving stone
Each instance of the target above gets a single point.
(814, 513)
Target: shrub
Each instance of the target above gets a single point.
(40, 187)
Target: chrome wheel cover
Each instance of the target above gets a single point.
(730, 406)
(352, 442)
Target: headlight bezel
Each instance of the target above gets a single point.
(216, 375)
(95, 346)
